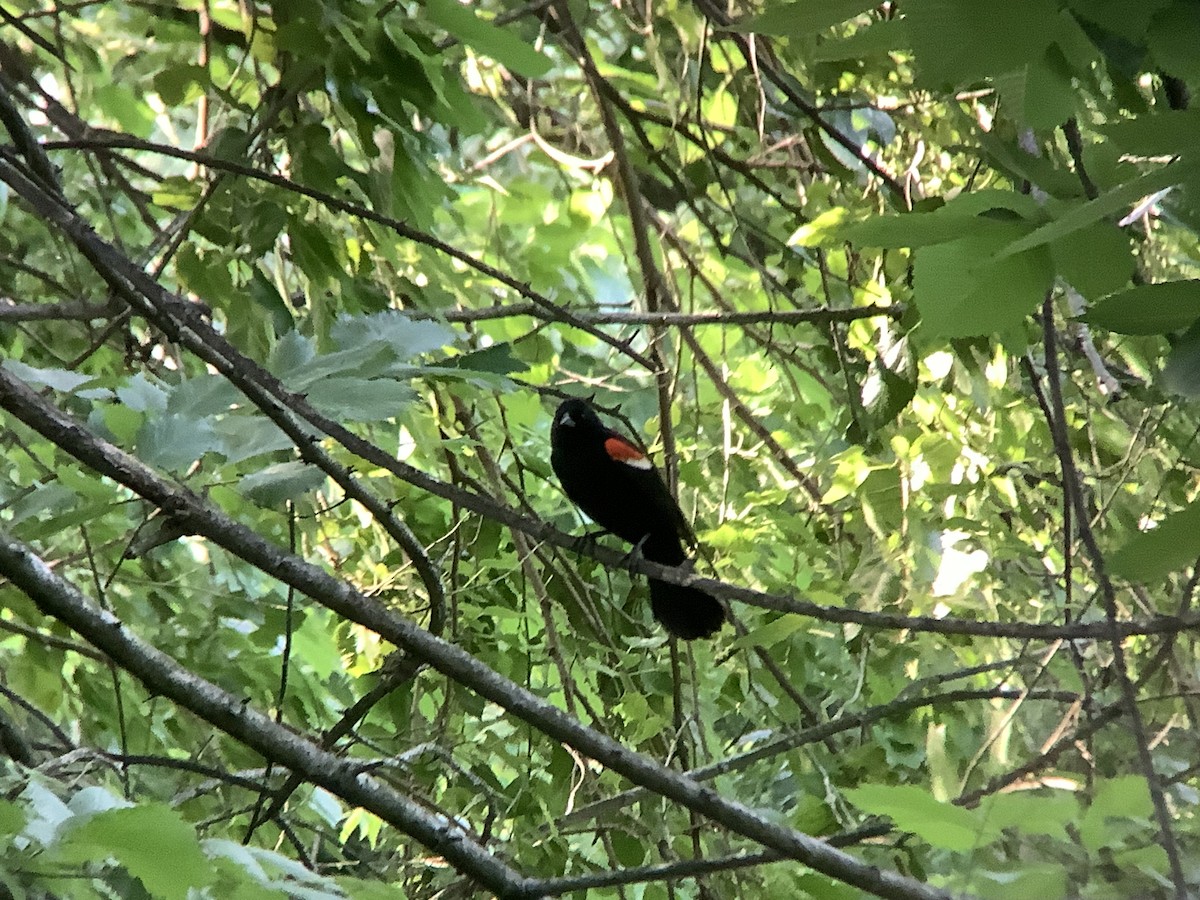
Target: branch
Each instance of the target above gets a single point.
(899, 706)
(449, 659)
(822, 316)
(163, 675)
(1074, 489)
(184, 323)
(10, 311)
(549, 307)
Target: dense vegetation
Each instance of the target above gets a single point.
(903, 298)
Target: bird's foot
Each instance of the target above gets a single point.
(587, 541)
(635, 552)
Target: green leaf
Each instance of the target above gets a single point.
(919, 229)
(1119, 199)
(313, 251)
(1049, 93)
(316, 645)
(878, 38)
(177, 84)
(359, 399)
(914, 809)
(772, 632)
(203, 395)
(1149, 308)
(957, 41)
(499, 43)
(143, 839)
(1041, 812)
(802, 18)
(1166, 133)
(58, 379)
(497, 359)
(174, 442)
(979, 213)
(1048, 881)
(407, 337)
(241, 437)
(1127, 796)
(271, 486)
(1181, 373)
(629, 850)
(124, 423)
(1173, 37)
(142, 395)
(1153, 553)
(12, 818)
(1096, 260)
(962, 290)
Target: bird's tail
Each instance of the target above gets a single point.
(686, 612)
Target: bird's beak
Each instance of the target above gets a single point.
(567, 420)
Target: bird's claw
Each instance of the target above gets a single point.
(635, 552)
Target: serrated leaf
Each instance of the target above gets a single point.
(203, 395)
(495, 360)
(1153, 553)
(407, 337)
(360, 399)
(1149, 308)
(142, 395)
(241, 437)
(367, 361)
(272, 486)
(174, 442)
(58, 379)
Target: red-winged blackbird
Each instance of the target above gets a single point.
(618, 487)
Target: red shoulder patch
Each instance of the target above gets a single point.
(622, 451)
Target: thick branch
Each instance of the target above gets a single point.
(163, 675)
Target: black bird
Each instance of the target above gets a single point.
(612, 481)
